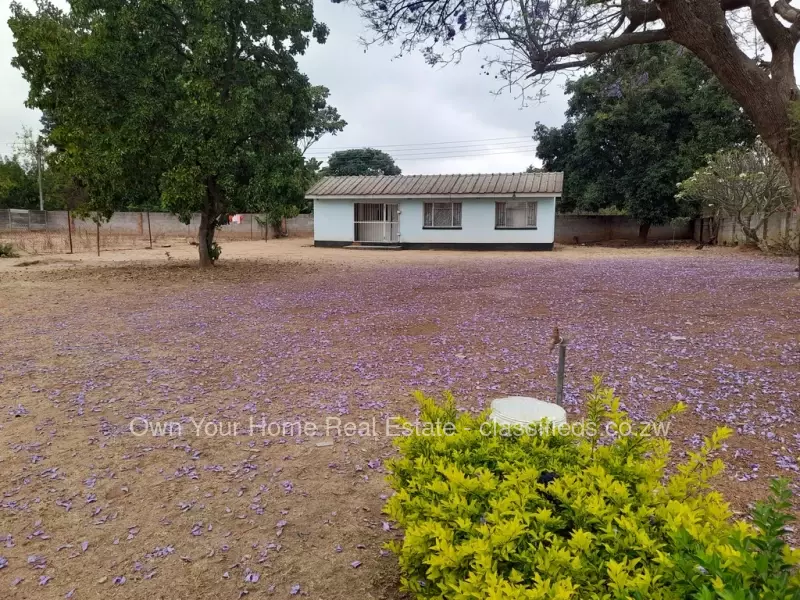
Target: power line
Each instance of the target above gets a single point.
(422, 144)
(478, 155)
(411, 153)
(427, 150)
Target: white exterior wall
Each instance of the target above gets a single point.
(477, 224)
(333, 222)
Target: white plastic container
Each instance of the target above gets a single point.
(522, 410)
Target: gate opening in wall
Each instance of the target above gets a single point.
(376, 223)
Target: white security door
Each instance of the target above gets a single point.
(376, 223)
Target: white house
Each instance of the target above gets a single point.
(493, 211)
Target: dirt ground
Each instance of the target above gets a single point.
(97, 353)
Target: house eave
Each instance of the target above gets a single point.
(383, 198)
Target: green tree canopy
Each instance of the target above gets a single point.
(18, 188)
(19, 177)
(640, 123)
(198, 104)
(362, 161)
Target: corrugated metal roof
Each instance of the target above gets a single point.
(450, 185)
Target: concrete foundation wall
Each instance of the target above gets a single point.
(167, 225)
(777, 227)
(587, 228)
(599, 228)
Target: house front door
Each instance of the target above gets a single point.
(376, 223)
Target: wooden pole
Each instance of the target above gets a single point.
(98, 237)
(149, 232)
(69, 230)
(39, 169)
(251, 228)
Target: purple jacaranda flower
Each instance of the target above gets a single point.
(44, 579)
(159, 552)
(119, 580)
(295, 589)
(37, 561)
(355, 564)
(19, 411)
(251, 576)
(3, 562)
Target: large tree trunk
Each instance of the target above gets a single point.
(765, 95)
(205, 237)
(644, 230)
(794, 178)
(713, 231)
(208, 223)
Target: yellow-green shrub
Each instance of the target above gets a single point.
(551, 515)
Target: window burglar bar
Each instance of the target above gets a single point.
(376, 223)
(515, 215)
(442, 215)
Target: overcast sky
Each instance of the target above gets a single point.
(426, 117)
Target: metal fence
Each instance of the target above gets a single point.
(23, 220)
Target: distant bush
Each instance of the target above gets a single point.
(215, 251)
(7, 251)
(548, 515)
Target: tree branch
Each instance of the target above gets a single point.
(640, 12)
(544, 62)
(786, 11)
(768, 25)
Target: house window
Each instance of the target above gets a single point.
(442, 215)
(515, 215)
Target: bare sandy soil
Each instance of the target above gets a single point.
(173, 250)
(97, 352)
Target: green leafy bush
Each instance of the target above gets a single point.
(7, 251)
(215, 251)
(549, 515)
(752, 563)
